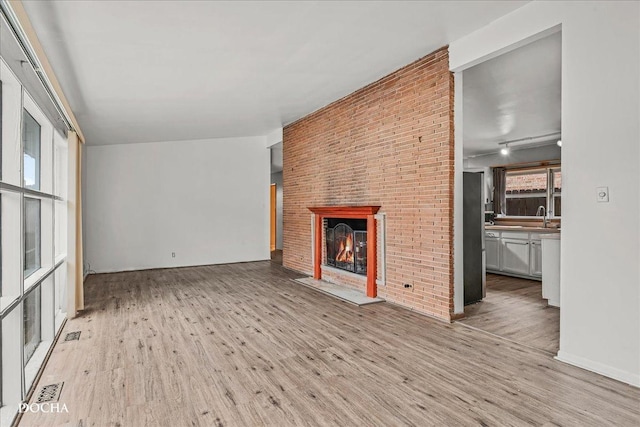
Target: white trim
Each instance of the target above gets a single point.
(458, 168)
(599, 368)
(313, 240)
(72, 164)
(34, 364)
(382, 266)
(36, 277)
(488, 42)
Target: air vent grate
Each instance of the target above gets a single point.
(49, 393)
(72, 336)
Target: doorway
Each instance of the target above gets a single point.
(273, 215)
(509, 122)
(276, 219)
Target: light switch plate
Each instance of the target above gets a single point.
(602, 194)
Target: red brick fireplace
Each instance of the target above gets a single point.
(389, 144)
(348, 212)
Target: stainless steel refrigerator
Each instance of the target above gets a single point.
(473, 237)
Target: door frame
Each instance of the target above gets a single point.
(273, 216)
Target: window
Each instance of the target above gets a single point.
(32, 237)
(526, 192)
(32, 324)
(33, 181)
(557, 192)
(31, 142)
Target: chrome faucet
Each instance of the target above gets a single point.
(544, 215)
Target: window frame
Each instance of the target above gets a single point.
(39, 285)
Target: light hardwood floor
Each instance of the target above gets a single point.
(514, 309)
(244, 345)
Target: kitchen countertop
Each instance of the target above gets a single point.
(548, 230)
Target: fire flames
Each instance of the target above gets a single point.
(345, 254)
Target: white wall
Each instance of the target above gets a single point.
(600, 279)
(274, 137)
(205, 200)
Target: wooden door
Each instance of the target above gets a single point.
(273, 217)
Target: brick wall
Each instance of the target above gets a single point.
(389, 144)
(526, 183)
(532, 182)
(351, 280)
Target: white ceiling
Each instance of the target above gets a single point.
(513, 96)
(173, 70)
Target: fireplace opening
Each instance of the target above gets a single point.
(346, 244)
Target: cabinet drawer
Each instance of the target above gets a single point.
(524, 235)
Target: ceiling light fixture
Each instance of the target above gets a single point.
(559, 143)
(530, 142)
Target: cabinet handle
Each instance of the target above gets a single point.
(533, 243)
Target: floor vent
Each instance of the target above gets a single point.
(72, 336)
(49, 393)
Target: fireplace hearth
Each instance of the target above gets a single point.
(346, 244)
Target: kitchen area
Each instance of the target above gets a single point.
(512, 195)
(512, 260)
(519, 251)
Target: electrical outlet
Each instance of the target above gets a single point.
(173, 254)
(406, 285)
(602, 194)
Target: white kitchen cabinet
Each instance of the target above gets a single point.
(535, 263)
(515, 255)
(551, 269)
(492, 250)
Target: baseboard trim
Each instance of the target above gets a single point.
(146, 268)
(599, 368)
(457, 316)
